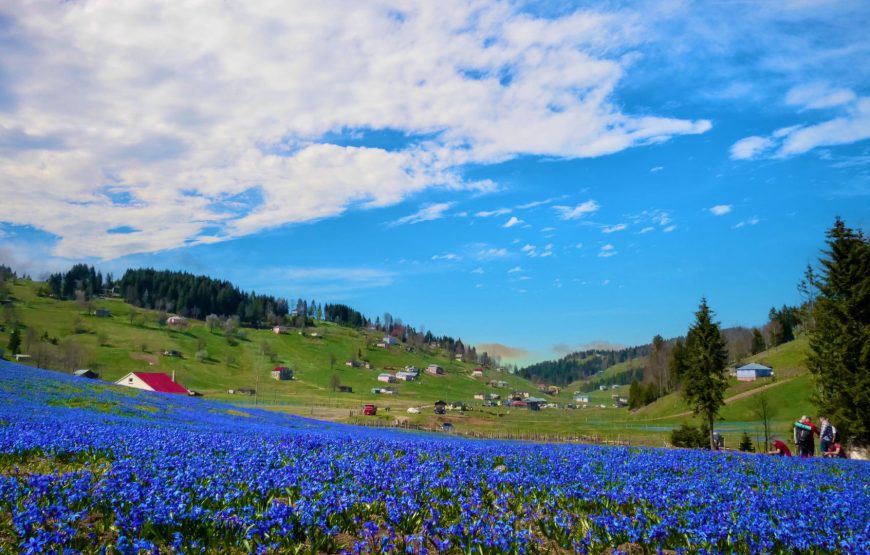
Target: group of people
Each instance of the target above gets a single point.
(805, 432)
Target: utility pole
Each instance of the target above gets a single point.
(257, 390)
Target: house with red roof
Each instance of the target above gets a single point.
(152, 381)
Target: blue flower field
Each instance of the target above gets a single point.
(90, 468)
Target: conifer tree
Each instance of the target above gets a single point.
(14, 341)
(840, 340)
(705, 357)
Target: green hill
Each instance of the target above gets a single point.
(64, 335)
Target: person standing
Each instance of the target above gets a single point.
(804, 430)
(826, 434)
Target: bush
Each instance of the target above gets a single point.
(690, 436)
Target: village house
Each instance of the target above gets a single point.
(172, 353)
(602, 388)
(381, 344)
(282, 373)
(406, 376)
(477, 373)
(581, 398)
(435, 370)
(86, 373)
(478, 396)
(751, 372)
(278, 330)
(344, 389)
(440, 407)
(385, 377)
(383, 391)
(152, 381)
(390, 340)
(498, 383)
(101, 313)
(176, 321)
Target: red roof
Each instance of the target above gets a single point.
(159, 381)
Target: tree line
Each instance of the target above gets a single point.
(580, 364)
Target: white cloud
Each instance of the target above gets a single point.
(851, 126)
(607, 251)
(218, 120)
(477, 271)
(813, 96)
(576, 212)
(534, 204)
(547, 229)
(491, 253)
(524, 278)
(515, 270)
(446, 256)
(334, 282)
(578, 246)
(720, 209)
(656, 169)
(751, 221)
(647, 230)
(513, 221)
(533, 251)
(613, 228)
(670, 228)
(489, 213)
(425, 214)
(750, 147)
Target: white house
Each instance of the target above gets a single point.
(751, 372)
(435, 370)
(581, 398)
(390, 340)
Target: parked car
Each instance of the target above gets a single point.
(370, 410)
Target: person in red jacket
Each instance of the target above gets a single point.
(780, 448)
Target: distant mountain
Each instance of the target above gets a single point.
(579, 365)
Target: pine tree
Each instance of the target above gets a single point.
(757, 341)
(704, 377)
(746, 444)
(14, 341)
(840, 340)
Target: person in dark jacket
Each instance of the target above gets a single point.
(804, 436)
(826, 434)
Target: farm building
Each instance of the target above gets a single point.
(435, 370)
(535, 403)
(440, 407)
(85, 373)
(477, 373)
(176, 321)
(406, 376)
(751, 372)
(152, 381)
(390, 340)
(282, 373)
(581, 398)
(498, 383)
(172, 353)
(385, 377)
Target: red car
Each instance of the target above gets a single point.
(370, 410)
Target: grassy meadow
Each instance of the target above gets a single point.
(134, 339)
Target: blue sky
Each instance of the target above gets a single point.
(540, 176)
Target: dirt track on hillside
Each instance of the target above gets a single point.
(729, 400)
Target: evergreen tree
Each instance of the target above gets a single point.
(757, 341)
(15, 341)
(704, 377)
(840, 340)
(746, 444)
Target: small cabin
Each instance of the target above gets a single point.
(435, 370)
(387, 378)
(753, 371)
(282, 373)
(176, 321)
(278, 330)
(102, 313)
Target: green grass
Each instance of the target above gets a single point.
(117, 345)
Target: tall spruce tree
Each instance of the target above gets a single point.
(705, 357)
(840, 340)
